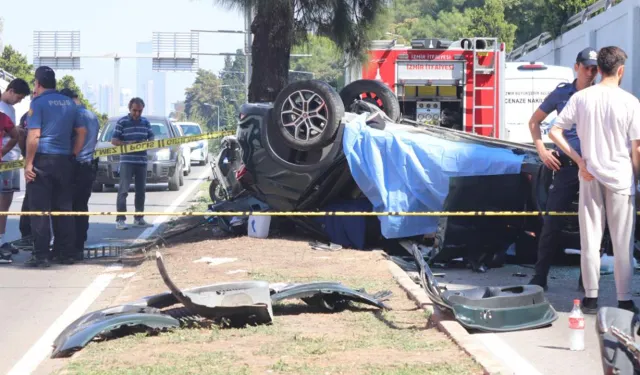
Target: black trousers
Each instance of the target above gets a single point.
(562, 192)
(51, 191)
(83, 178)
(25, 221)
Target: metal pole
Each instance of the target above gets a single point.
(116, 86)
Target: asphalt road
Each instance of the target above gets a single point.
(37, 304)
(545, 350)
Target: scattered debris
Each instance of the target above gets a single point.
(332, 296)
(233, 272)
(316, 245)
(110, 321)
(492, 309)
(215, 261)
(237, 303)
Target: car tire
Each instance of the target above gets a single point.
(374, 92)
(313, 101)
(174, 181)
(181, 179)
(97, 187)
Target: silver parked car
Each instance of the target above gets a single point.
(165, 165)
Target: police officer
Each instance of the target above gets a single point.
(565, 183)
(84, 173)
(52, 121)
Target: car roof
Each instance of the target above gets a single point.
(186, 123)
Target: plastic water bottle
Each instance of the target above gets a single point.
(576, 326)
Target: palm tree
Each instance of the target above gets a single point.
(279, 24)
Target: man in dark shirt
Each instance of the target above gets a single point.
(132, 128)
(565, 184)
(53, 119)
(84, 173)
(25, 222)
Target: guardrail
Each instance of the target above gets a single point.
(576, 19)
(6, 75)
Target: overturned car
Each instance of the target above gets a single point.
(315, 149)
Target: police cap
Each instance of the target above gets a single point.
(46, 77)
(588, 57)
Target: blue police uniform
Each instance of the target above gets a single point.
(84, 175)
(563, 189)
(56, 116)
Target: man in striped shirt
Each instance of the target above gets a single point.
(132, 128)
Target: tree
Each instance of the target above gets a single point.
(69, 82)
(326, 62)
(279, 24)
(202, 96)
(489, 21)
(16, 64)
(557, 12)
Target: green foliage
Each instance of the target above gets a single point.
(489, 21)
(69, 82)
(202, 98)
(326, 61)
(557, 12)
(16, 64)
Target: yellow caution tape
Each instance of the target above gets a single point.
(142, 146)
(296, 213)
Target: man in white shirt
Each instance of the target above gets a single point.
(607, 121)
(17, 90)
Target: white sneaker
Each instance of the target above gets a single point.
(120, 225)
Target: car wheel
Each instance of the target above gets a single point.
(308, 114)
(109, 186)
(97, 187)
(185, 171)
(374, 92)
(217, 193)
(174, 181)
(181, 179)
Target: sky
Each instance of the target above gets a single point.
(115, 26)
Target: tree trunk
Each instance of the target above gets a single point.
(272, 30)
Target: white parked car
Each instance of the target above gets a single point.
(186, 152)
(199, 149)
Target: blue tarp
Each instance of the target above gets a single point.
(409, 172)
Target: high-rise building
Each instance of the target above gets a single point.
(150, 85)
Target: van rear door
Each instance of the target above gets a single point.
(526, 86)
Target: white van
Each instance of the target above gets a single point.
(526, 86)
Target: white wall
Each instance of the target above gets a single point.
(618, 26)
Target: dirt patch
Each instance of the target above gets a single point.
(301, 340)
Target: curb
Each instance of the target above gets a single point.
(453, 329)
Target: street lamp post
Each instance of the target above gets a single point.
(217, 111)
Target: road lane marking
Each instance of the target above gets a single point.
(161, 219)
(506, 354)
(42, 348)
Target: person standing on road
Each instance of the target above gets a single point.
(7, 126)
(17, 90)
(132, 128)
(607, 121)
(52, 121)
(84, 173)
(25, 221)
(564, 185)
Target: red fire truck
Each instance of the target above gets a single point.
(462, 79)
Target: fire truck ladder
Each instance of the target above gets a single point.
(491, 46)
